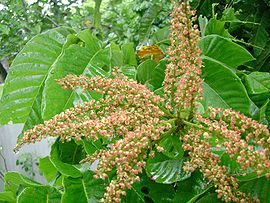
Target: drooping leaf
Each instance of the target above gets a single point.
(83, 189)
(64, 156)
(39, 195)
(202, 23)
(164, 170)
(1, 90)
(21, 100)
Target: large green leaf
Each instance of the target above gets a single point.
(164, 170)
(64, 156)
(23, 89)
(222, 87)
(148, 191)
(84, 189)
(223, 51)
(76, 59)
(39, 195)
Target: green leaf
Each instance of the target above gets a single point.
(64, 155)
(164, 170)
(129, 54)
(47, 168)
(14, 180)
(191, 189)
(223, 51)
(217, 27)
(259, 188)
(39, 195)
(145, 70)
(7, 197)
(258, 82)
(172, 147)
(222, 87)
(84, 189)
(158, 74)
(22, 92)
(148, 191)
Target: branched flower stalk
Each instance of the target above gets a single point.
(137, 118)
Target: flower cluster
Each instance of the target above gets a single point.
(128, 111)
(182, 83)
(136, 118)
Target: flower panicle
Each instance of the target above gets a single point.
(182, 83)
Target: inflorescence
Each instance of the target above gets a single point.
(137, 118)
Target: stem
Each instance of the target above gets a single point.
(194, 125)
(5, 163)
(167, 112)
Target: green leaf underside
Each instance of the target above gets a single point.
(20, 102)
